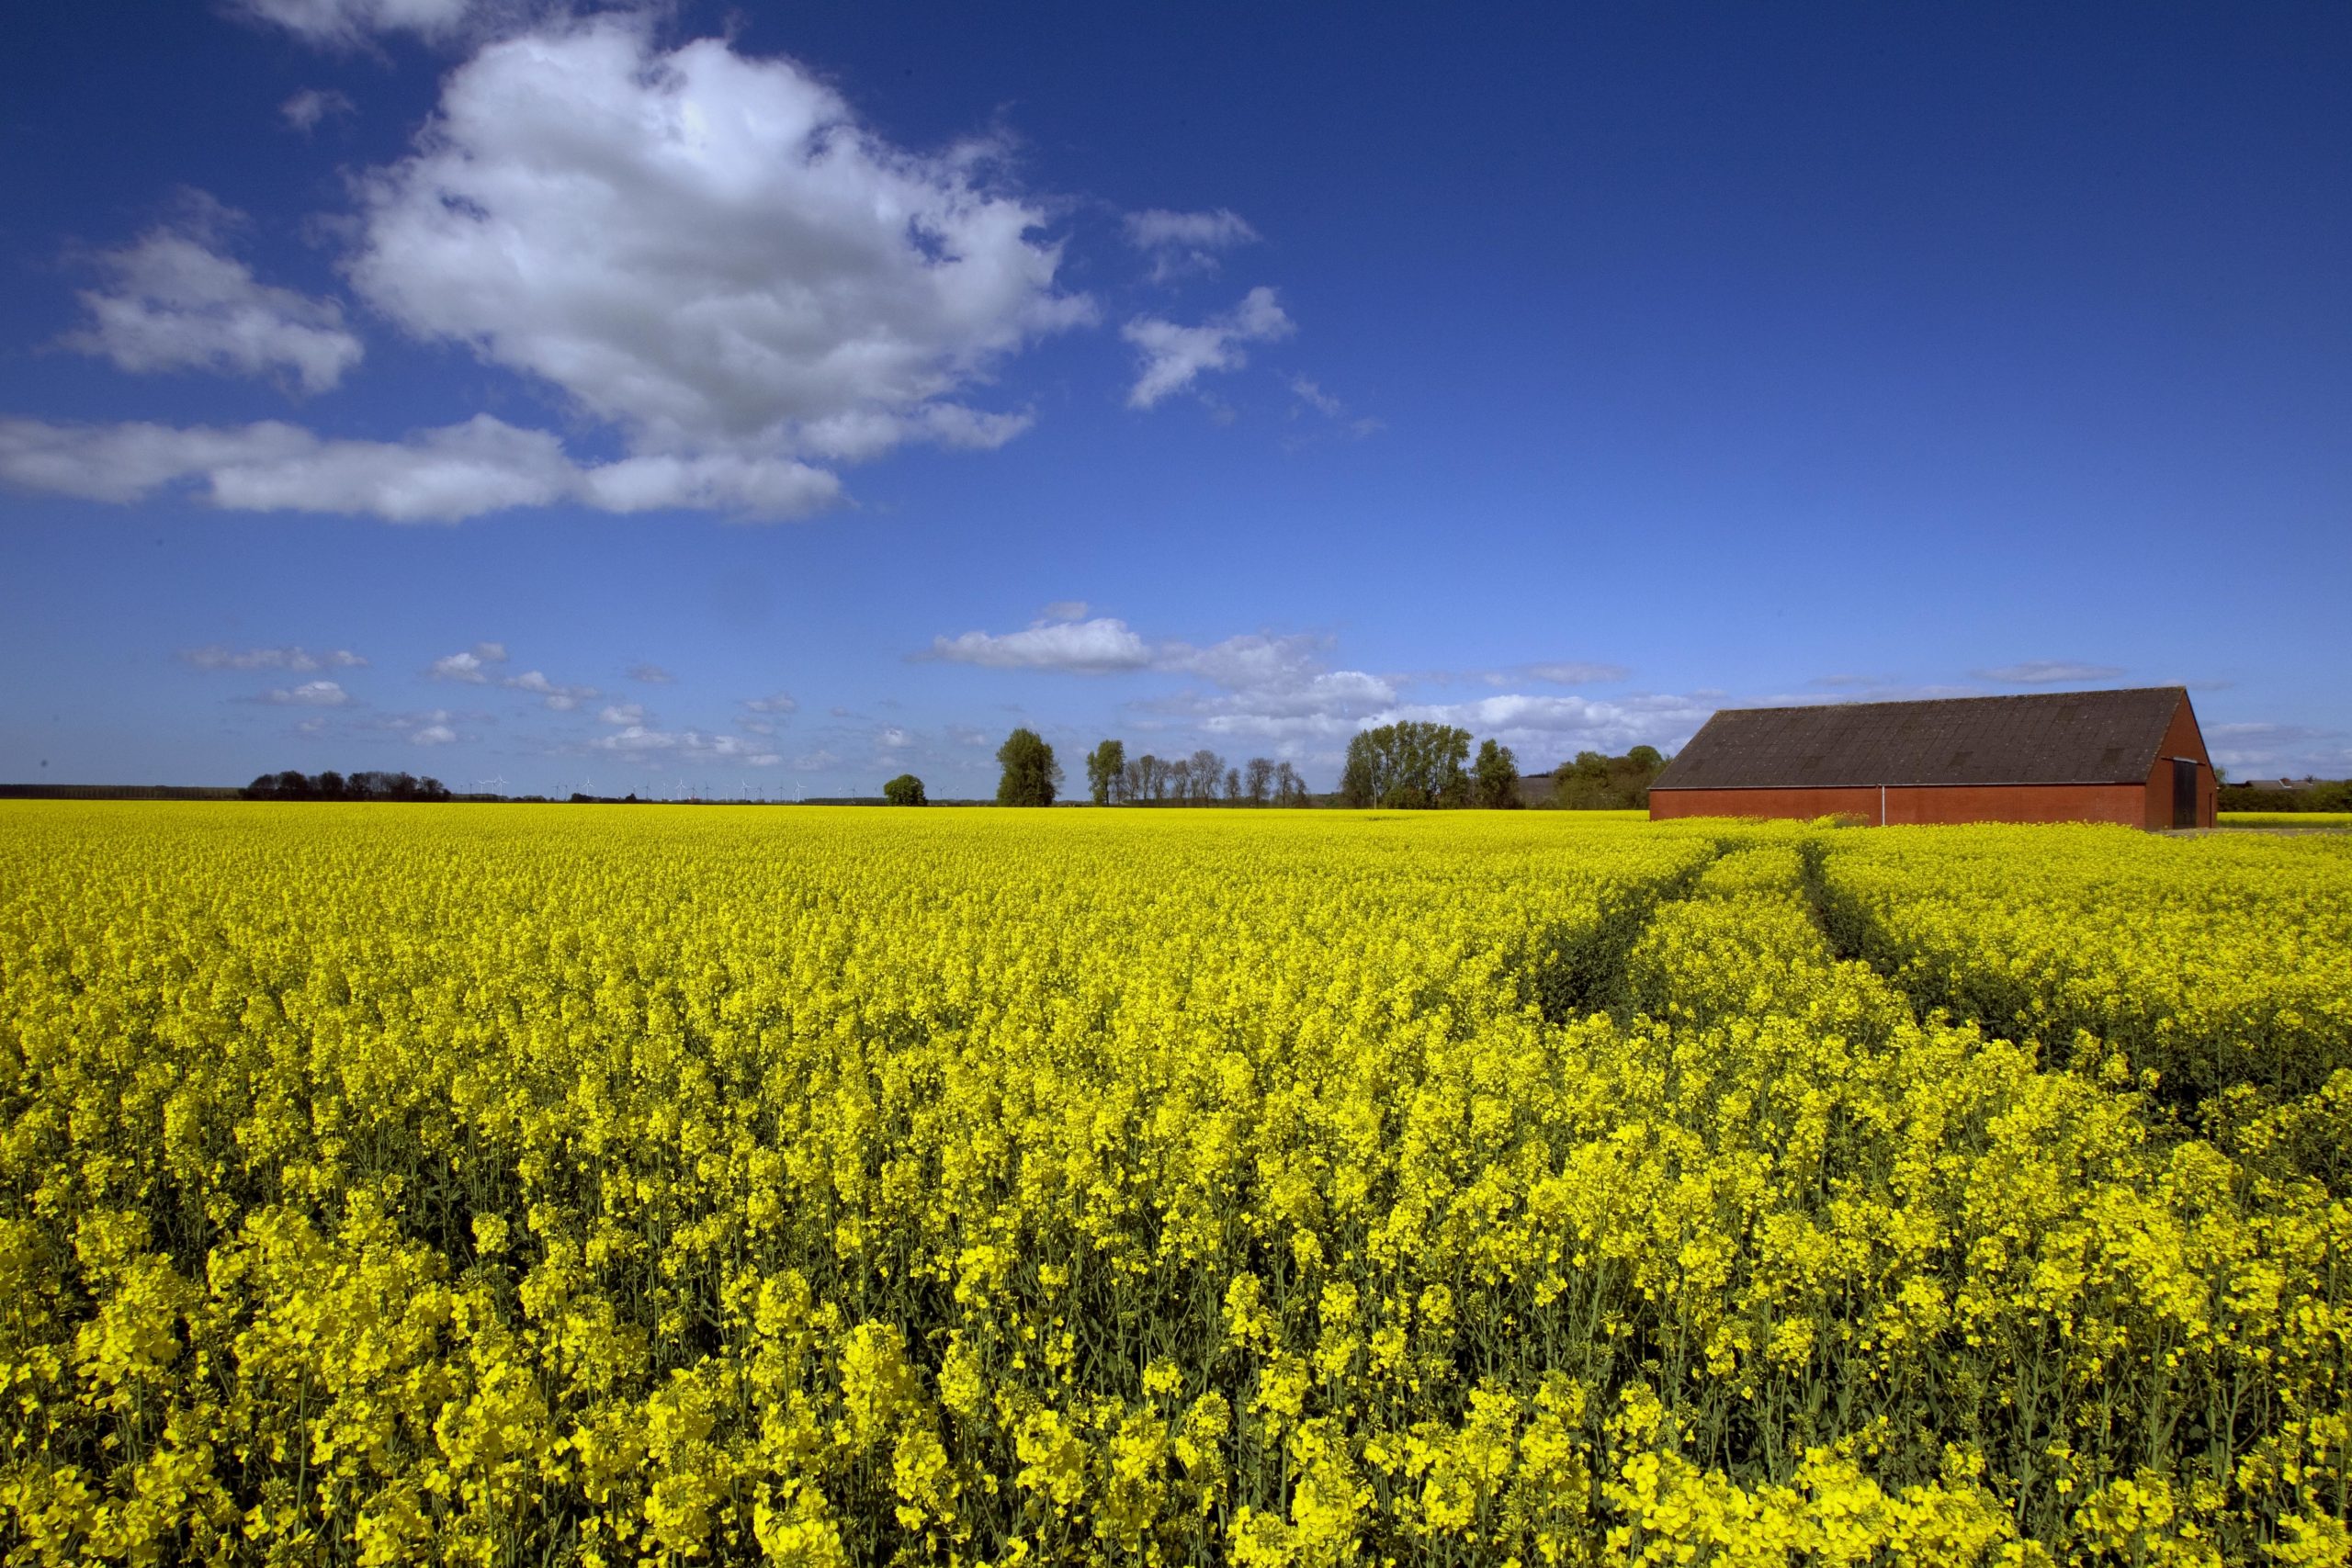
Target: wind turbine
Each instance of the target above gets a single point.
(499, 782)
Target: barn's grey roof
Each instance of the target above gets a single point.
(2047, 738)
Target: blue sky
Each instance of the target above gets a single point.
(778, 399)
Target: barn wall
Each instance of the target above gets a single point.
(2125, 804)
(2182, 739)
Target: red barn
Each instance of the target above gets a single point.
(2133, 757)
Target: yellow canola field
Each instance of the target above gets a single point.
(499, 1185)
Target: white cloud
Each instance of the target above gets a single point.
(622, 713)
(172, 301)
(706, 250)
(311, 694)
(560, 698)
(1544, 729)
(1251, 659)
(472, 667)
(1158, 228)
(1577, 672)
(432, 734)
(1315, 398)
(1180, 242)
(440, 475)
(1175, 356)
(214, 656)
(306, 109)
(690, 745)
(780, 703)
(345, 24)
(892, 739)
(651, 674)
(1096, 647)
(2046, 673)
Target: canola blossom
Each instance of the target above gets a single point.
(492, 1185)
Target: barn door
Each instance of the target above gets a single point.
(2183, 792)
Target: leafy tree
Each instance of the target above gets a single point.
(1031, 775)
(904, 790)
(1495, 776)
(1106, 768)
(1593, 782)
(1410, 764)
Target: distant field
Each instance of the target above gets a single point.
(2332, 819)
(490, 1184)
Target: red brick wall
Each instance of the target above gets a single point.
(2181, 739)
(2125, 803)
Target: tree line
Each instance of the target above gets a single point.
(333, 786)
(1203, 778)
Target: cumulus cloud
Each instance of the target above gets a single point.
(308, 107)
(345, 24)
(1180, 242)
(173, 301)
(622, 713)
(472, 667)
(216, 656)
(311, 693)
(2046, 673)
(708, 250)
(560, 698)
(443, 475)
(1094, 647)
(1175, 356)
(432, 734)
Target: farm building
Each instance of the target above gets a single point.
(2133, 757)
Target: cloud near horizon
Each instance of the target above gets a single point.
(2046, 673)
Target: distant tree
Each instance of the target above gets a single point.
(431, 788)
(1410, 764)
(1258, 781)
(1494, 777)
(1106, 768)
(1180, 781)
(1031, 775)
(1289, 788)
(904, 790)
(1233, 787)
(1647, 757)
(329, 784)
